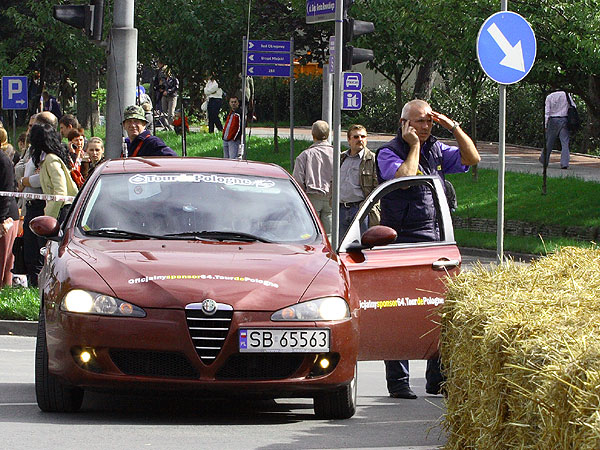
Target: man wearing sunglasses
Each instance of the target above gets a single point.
(358, 177)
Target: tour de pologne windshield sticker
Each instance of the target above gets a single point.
(401, 302)
(139, 179)
(148, 279)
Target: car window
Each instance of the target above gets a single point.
(161, 204)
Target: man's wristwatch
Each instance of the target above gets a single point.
(454, 127)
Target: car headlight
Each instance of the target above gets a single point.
(87, 302)
(326, 308)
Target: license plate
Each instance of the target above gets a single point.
(289, 340)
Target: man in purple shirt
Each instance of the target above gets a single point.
(411, 212)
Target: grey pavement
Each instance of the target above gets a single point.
(517, 158)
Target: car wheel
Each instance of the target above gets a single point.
(338, 404)
(52, 395)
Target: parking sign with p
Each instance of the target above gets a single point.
(14, 92)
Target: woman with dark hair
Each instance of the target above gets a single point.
(55, 168)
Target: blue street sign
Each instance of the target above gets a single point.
(320, 11)
(268, 71)
(351, 100)
(270, 46)
(14, 93)
(352, 81)
(269, 58)
(506, 47)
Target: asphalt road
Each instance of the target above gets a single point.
(172, 422)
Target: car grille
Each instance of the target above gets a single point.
(260, 366)
(208, 332)
(153, 364)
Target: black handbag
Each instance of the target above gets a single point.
(573, 120)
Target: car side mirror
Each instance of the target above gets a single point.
(46, 226)
(378, 235)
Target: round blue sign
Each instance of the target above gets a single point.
(506, 47)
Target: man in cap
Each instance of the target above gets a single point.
(141, 141)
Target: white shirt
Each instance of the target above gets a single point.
(556, 105)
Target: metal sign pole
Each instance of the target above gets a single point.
(336, 125)
(292, 104)
(501, 163)
(242, 152)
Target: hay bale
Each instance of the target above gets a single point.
(521, 348)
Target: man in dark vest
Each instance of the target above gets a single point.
(140, 142)
(411, 212)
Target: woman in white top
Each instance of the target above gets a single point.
(214, 95)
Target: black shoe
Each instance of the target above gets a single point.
(404, 392)
(433, 391)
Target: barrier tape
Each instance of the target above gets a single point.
(33, 196)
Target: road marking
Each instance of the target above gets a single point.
(12, 350)
(18, 404)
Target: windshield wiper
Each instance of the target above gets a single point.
(114, 232)
(220, 236)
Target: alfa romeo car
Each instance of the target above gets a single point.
(215, 276)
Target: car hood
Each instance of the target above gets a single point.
(248, 276)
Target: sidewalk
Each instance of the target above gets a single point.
(517, 158)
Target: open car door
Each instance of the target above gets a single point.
(398, 287)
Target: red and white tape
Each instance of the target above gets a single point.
(33, 196)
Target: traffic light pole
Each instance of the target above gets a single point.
(336, 123)
(121, 68)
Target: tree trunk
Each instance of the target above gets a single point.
(87, 108)
(424, 81)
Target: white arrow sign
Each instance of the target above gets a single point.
(514, 55)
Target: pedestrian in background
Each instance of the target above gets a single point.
(411, 212)
(169, 92)
(55, 169)
(313, 170)
(140, 142)
(94, 155)
(9, 219)
(7, 148)
(555, 116)
(232, 132)
(358, 178)
(49, 103)
(214, 95)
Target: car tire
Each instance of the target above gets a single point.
(338, 404)
(52, 395)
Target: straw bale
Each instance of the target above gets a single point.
(521, 349)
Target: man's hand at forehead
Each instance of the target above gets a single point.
(442, 120)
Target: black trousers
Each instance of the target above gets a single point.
(33, 243)
(214, 108)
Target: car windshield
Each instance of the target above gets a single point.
(197, 206)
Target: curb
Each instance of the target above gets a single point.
(522, 257)
(18, 327)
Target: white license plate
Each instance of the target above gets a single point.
(291, 340)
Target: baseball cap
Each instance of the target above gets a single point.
(134, 112)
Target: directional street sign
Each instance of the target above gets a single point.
(14, 92)
(506, 47)
(269, 58)
(320, 11)
(268, 71)
(270, 46)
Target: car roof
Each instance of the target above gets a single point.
(216, 165)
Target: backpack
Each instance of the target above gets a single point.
(573, 120)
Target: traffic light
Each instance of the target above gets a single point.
(90, 18)
(353, 28)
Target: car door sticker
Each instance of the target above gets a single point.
(401, 302)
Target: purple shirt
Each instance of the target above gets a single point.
(389, 162)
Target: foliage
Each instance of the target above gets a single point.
(19, 303)
(100, 96)
(378, 113)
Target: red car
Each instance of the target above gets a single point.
(214, 275)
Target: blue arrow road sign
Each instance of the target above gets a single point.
(269, 58)
(352, 81)
(506, 47)
(14, 93)
(270, 46)
(268, 71)
(351, 100)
